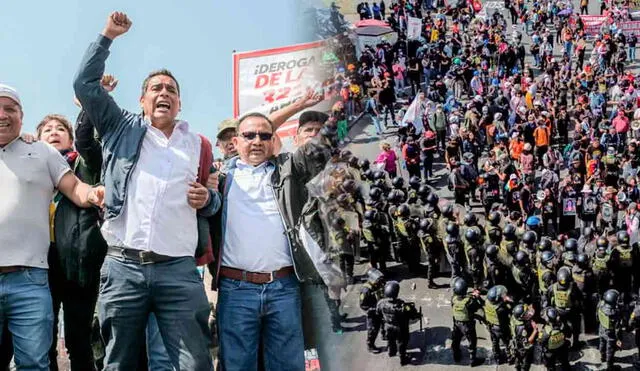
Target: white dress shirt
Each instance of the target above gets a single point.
(254, 239)
(156, 216)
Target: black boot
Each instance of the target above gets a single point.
(476, 361)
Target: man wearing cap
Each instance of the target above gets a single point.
(153, 169)
(29, 175)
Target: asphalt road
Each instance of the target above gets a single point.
(430, 348)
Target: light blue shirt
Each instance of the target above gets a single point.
(255, 239)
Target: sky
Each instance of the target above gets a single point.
(42, 43)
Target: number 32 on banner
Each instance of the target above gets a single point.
(272, 95)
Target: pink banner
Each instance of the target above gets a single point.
(593, 24)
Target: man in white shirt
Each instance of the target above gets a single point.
(152, 173)
(29, 176)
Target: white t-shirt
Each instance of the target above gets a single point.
(29, 174)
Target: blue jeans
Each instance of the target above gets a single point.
(156, 351)
(377, 124)
(174, 292)
(568, 48)
(25, 304)
(271, 312)
(632, 53)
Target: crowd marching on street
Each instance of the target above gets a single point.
(537, 124)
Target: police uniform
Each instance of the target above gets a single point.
(600, 265)
(497, 320)
(377, 240)
(428, 243)
(406, 231)
(494, 273)
(584, 282)
(567, 301)
(634, 322)
(623, 258)
(370, 294)
(554, 343)
(474, 258)
(454, 249)
(610, 320)
(521, 331)
(396, 315)
(464, 324)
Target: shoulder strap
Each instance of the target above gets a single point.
(205, 256)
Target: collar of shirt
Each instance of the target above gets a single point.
(180, 125)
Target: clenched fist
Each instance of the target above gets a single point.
(117, 24)
(197, 196)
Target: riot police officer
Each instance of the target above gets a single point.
(610, 321)
(601, 266)
(508, 246)
(454, 249)
(370, 293)
(634, 323)
(566, 299)
(465, 305)
(495, 273)
(546, 271)
(584, 282)
(569, 255)
(553, 340)
(473, 253)
(396, 315)
(524, 332)
(376, 238)
(497, 309)
(524, 278)
(624, 260)
(427, 238)
(494, 233)
(529, 239)
(407, 232)
(342, 241)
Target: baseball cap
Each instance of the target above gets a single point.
(226, 125)
(11, 93)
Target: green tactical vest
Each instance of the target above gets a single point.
(562, 298)
(578, 277)
(556, 338)
(460, 311)
(541, 284)
(491, 313)
(626, 260)
(604, 319)
(367, 233)
(401, 227)
(600, 264)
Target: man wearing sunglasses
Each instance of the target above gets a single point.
(259, 264)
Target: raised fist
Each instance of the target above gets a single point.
(117, 24)
(108, 82)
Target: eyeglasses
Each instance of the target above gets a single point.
(252, 135)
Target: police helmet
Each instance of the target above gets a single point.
(367, 174)
(494, 218)
(370, 215)
(564, 277)
(379, 174)
(519, 311)
(447, 211)
(547, 256)
(472, 235)
(391, 289)
(545, 244)
(364, 164)
(392, 197)
(397, 182)
(515, 215)
(403, 211)
(425, 224)
(622, 237)
(582, 260)
(602, 242)
(470, 219)
(529, 238)
(374, 275)
(349, 185)
(509, 231)
(432, 199)
(610, 297)
(375, 193)
(511, 247)
(414, 182)
(493, 295)
(522, 258)
(460, 287)
(571, 245)
(452, 229)
(552, 314)
(492, 251)
(354, 162)
(424, 191)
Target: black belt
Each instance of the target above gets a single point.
(138, 256)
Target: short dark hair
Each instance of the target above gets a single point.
(160, 72)
(254, 114)
(55, 117)
(312, 116)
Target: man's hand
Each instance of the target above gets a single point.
(213, 180)
(310, 99)
(28, 138)
(96, 196)
(109, 82)
(117, 24)
(197, 196)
